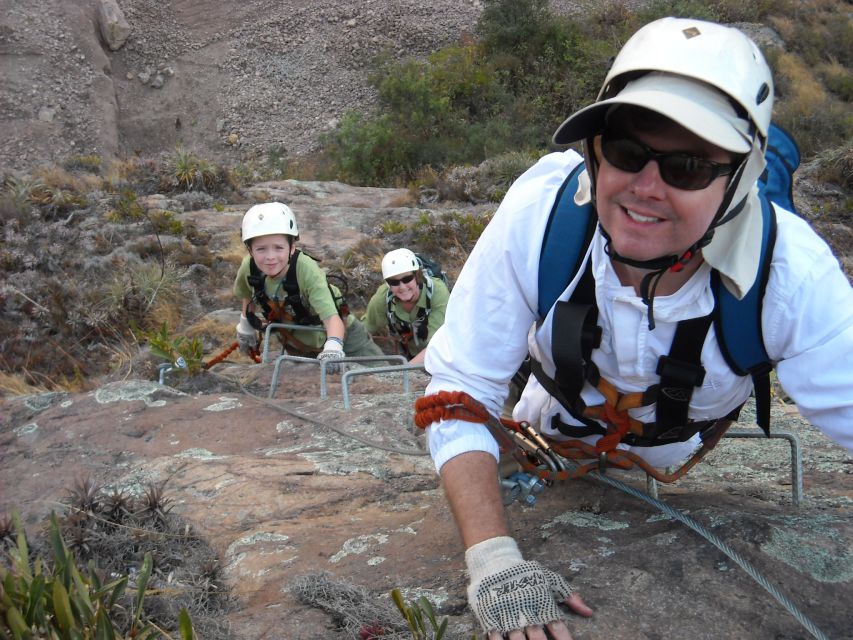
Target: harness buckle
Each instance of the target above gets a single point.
(676, 370)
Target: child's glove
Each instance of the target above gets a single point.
(507, 593)
(333, 350)
(247, 336)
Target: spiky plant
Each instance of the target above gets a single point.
(80, 533)
(155, 504)
(117, 506)
(84, 496)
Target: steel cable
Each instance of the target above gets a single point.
(722, 546)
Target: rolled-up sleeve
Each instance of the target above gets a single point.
(492, 307)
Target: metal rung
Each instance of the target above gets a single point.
(277, 367)
(405, 368)
(285, 325)
(323, 364)
(796, 460)
(796, 455)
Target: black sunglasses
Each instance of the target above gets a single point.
(393, 282)
(679, 170)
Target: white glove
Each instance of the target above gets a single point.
(506, 592)
(333, 349)
(247, 336)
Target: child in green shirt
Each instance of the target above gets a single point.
(287, 285)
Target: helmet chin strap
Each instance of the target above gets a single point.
(656, 268)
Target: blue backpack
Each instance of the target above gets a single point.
(737, 322)
(783, 158)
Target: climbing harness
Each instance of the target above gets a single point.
(737, 327)
(555, 461)
(544, 459)
(406, 332)
(292, 310)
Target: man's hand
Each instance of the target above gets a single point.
(514, 598)
(333, 350)
(247, 336)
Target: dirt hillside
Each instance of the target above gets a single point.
(223, 78)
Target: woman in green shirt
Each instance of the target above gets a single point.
(409, 306)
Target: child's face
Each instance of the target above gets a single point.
(272, 253)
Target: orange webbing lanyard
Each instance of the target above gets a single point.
(279, 314)
(255, 355)
(543, 458)
(614, 412)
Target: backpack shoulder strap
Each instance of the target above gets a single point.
(301, 313)
(257, 280)
(738, 322)
(567, 235)
(291, 284)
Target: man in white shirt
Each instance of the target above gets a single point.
(674, 147)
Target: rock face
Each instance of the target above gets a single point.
(296, 485)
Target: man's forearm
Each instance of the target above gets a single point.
(470, 482)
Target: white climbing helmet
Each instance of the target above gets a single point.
(267, 219)
(399, 261)
(680, 51)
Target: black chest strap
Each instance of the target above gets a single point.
(575, 334)
(293, 300)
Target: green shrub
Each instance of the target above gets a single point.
(55, 598)
(367, 150)
(15, 200)
(91, 164)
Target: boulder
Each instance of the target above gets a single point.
(112, 24)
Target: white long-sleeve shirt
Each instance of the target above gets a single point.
(807, 321)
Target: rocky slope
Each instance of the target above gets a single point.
(297, 485)
(223, 78)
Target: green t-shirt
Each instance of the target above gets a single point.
(376, 317)
(313, 290)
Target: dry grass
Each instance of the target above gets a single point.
(803, 92)
(16, 384)
(30, 382)
(56, 177)
(403, 200)
(234, 253)
(220, 333)
(836, 166)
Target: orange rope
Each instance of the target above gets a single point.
(447, 405)
(255, 355)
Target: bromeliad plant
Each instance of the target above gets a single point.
(180, 351)
(58, 601)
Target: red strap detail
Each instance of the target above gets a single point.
(618, 424)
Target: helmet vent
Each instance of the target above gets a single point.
(691, 32)
(763, 93)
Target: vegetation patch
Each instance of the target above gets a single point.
(116, 564)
